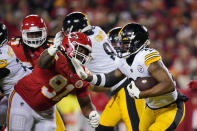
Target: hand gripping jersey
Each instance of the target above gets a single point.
(17, 71)
(102, 52)
(30, 58)
(104, 58)
(139, 68)
(43, 88)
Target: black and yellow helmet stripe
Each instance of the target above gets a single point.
(86, 16)
(121, 30)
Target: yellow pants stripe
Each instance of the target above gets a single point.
(9, 107)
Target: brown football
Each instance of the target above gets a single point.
(144, 83)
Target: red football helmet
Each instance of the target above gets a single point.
(78, 45)
(33, 30)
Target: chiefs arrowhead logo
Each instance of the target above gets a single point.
(79, 84)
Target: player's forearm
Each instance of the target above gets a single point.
(86, 106)
(45, 60)
(100, 89)
(157, 90)
(105, 80)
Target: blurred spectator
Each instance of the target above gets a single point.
(184, 65)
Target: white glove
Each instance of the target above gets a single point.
(52, 50)
(94, 119)
(134, 91)
(79, 69)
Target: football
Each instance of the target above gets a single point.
(144, 83)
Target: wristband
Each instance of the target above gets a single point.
(102, 80)
(94, 80)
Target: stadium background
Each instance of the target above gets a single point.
(172, 24)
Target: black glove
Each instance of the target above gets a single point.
(182, 97)
(4, 72)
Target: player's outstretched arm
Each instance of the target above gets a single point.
(105, 80)
(89, 111)
(165, 81)
(45, 60)
(48, 55)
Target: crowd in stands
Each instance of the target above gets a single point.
(172, 24)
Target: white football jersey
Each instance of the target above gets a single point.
(139, 68)
(17, 71)
(103, 61)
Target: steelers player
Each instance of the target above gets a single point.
(11, 70)
(121, 107)
(164, 104)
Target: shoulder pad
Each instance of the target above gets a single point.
(151, 55)
(3, 63)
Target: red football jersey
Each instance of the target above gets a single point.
(30, 58)
(43, 88)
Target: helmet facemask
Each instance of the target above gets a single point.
(82, 54)
(34, 37)
(34, 31)
(129, 48)
(79, 51)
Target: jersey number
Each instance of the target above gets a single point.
(58, 82)
(108, 49)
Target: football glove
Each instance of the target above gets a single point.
(94, 119)
(52, 50)
(4, 72)
(134, 91)
(79, 69)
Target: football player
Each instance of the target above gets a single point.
(165, 106)
(33, 41)
(11, 70)
(104, 61)
(121, 106)
(31, 104)
(31, 44)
